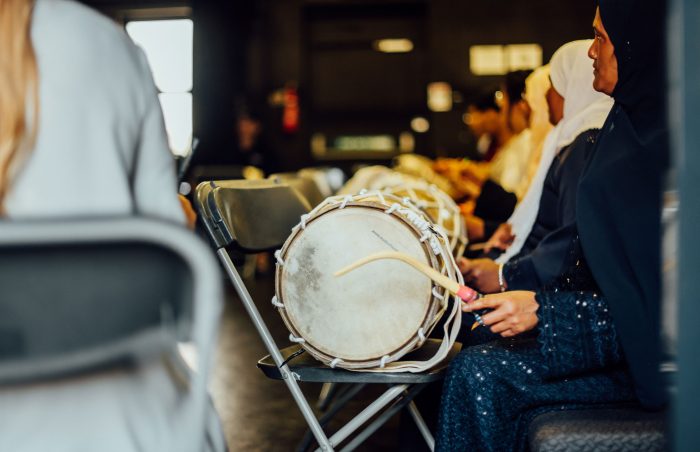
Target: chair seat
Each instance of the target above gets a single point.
(311, 370)
(598, 430)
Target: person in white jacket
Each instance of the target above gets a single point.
(82, 135)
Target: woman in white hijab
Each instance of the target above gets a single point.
(578, 112)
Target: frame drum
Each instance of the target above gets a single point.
(372, 316)
(437, 204)
(439, 207)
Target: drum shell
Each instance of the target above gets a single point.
(435, 304)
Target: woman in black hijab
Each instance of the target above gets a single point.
(590, 337)
(619, 199)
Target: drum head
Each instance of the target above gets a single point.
(369, 313)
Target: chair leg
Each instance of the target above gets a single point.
(346, 396)
(373, 408)
(328, 392)
(420, 423)
(290, 378)
(383, 418)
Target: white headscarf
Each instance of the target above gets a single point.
(584, 109)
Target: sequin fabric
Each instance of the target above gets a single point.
(572, 360)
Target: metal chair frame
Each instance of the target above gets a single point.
(403, 387)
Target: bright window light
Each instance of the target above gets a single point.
(177, 111)
(168, 48)
(365, 143)
(524, 56)
(393, 45)
(498, 59)
(487, 60)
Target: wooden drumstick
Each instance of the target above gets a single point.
(467, 294)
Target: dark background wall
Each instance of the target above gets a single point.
(249, 49)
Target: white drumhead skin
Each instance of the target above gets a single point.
(368, 313)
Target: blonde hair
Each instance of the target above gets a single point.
(19, 92)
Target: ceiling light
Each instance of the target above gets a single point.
(393, 45)
(420, 125)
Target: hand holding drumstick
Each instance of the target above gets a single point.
(467, 294)
(510, 313)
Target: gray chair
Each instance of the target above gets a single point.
(329, 179)
(303, 184)
(81, 299)
(599, 430)
(255, 216)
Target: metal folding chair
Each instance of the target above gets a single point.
(305, 185)
(328, 179)
(85, 300)
(255, 216)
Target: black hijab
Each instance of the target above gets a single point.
(619, 197)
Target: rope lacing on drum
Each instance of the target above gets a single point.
(381, 197)
(345, 202)
(436, 294)
(278, 256)
(382, 362)
(296, 340)
(421, 335)
(425, 227)
(440, 229)
(421, 223)
(276, 303)
(394, 207)
(335, 362)
(302, 221)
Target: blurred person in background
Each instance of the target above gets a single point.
(536, 86)
(578, 111)
(510, 163)
(495, 203)
(252, 149)
(484, 119)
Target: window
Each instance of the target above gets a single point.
(168, 47)
(498, 59)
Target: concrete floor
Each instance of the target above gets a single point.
(259, 414)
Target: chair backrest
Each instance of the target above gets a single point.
(252, 215)
(201, 203)
(328, 179)
(303, 184)
(78, 295)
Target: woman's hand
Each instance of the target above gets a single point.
(480, 274)
(501, 239)
(513, 312)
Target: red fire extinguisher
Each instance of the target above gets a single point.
(290, 114)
